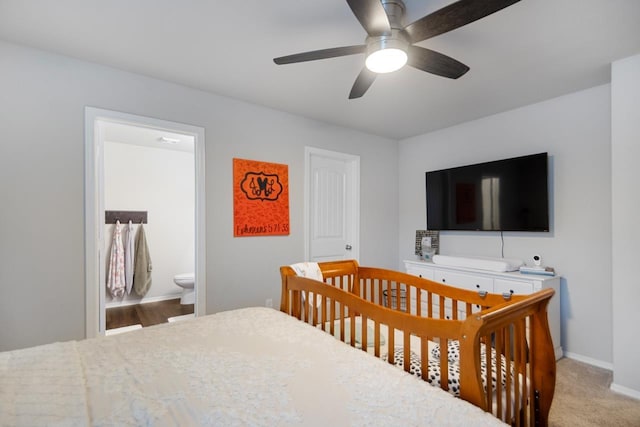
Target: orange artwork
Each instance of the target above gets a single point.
(260, 198)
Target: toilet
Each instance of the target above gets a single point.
(186, 281)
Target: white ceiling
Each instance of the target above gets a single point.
(147, 137)
(531, 51)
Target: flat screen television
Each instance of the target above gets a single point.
(502, 195)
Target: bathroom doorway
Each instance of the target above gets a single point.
(135, 163)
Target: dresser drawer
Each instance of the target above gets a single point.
(515, 287)
(464, 281)
(425, 273)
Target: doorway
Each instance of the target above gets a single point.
(332, 205)
(100, 126)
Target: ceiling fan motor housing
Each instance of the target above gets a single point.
(395, 12)
(396, 39)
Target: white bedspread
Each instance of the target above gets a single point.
(248, 367)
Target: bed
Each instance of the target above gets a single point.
(494, 351)
(245, 367)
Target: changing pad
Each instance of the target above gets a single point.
(480, 263)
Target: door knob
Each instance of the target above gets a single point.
(348, 247)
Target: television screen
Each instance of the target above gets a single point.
(503, 195)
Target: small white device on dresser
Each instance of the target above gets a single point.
(498, 282)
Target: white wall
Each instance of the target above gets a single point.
(161, 182)
(41, 187)
(625, 122)
(575, 131)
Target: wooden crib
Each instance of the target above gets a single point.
(506, 363)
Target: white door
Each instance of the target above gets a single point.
(332, 205)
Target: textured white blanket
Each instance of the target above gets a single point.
(248, 367)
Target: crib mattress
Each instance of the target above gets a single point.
(433, 374)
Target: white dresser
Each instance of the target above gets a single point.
(495, 282)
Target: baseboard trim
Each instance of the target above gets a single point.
(113, 304)
(589, 361)
(559, 353)
(625, 390)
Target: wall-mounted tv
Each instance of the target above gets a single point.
(502, 195)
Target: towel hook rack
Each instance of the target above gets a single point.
(137, 217)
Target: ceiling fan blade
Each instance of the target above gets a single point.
(371, 15)
(435, 63)
(363, 83)
(454, 16)
(320, 54)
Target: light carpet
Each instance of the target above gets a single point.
(583, 398)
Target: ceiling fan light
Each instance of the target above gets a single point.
(386, 60)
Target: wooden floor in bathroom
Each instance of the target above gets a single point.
(148, 314)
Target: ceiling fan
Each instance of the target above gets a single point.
(390, 44)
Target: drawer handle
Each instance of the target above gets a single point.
(507, 295)
(482, 293)
(443, 280)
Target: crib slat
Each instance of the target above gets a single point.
(352, 285)
(340, 319)
(519, 368)
(392, 344)
(424, 357)
(332, 316)
(376, 333)
(325, 314)
(363, 333)
(487, 375)
(407, 352)
(352, 327)
(499, 350)
(444, 364)
(342, 323)
(508, 356)
(532, 362)
(306, 309)
(313, 316)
